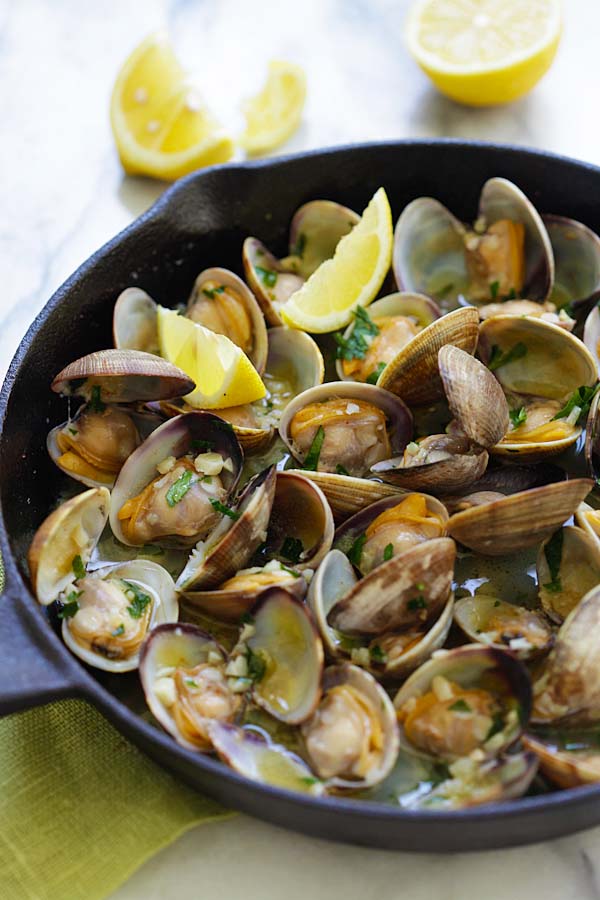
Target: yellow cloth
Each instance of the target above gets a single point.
(80, 807)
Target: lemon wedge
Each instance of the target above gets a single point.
(274, 114)
(351, 278)
(223, 373)
(160, 124)
(484, 52)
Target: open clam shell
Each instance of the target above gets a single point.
(176, 438)
(295, 361)
(475, 398)
(576, 250)
(223, 303)
(400, 528)
(477, 783)
(460, 466)
(473, 698)
(290, 653)
(567, 687)
(504, 626)
(347, 495)
(107, 652)
(134, 321)
(414, 373)
(353, 702)
(568, 566)
(271, 282)
(315, 231)
(399, 317)
(569, 762)
(232, 543)
(261, 760)
(591, 333)
(65, 541)
(301, 527)
(122, 376)
(398, 424)
(172, 654)
(518, 520)
(588, 519)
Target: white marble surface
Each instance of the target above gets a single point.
(62, 194)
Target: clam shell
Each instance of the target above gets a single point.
(285, 635)
(173, 438)
(255, 257)
(398, 415)
(155, 581)
(556, 362)
(567, 688)
(295, 356)
(501, 199)
(445, 476)
(519, 520)
(259, 760)
(233, 542)
(122, 376)
(576, 250)
(467, 666)
(383, 600)
(414, 373)
(588, 519)
(591, 334)
(72, 530)
(364, 683)
(227, 279)
(473, 615)
(566, 768)
(226, 605)
(475, 398)
(169, 646)
(315, 230)
(347, 495)
(578, 571)
(134, 321)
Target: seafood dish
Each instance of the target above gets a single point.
(381, 580)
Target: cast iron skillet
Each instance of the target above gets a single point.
(201, 222)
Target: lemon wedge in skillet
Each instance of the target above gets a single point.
(352, 277)
(223, 373)
(160, 124)
(484, 52)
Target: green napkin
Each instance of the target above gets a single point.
(80, 807)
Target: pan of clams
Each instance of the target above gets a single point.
(380, 583)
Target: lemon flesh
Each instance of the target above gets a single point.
(352, 277)
(223, 373)
(484, 52)
(160, 124)
(274, 114)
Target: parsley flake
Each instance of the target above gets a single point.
(292, 549)
(225, 510)
(179, 488)
(312, 457)
(201, 445)
(118, 631)
(388, 552)
(96, 404)
(267, 276)
(257, 665)
(518, 416)
(354, 554)
(341, 470)
(494, 288)
(581, 398)
(373, 378)
(70, 607)
(210, 293)
(300, 245)
(377, 654)
(139, 601)
(460, 706)
(355, 346)
(78, 567)
(500, 358)
(417, 603)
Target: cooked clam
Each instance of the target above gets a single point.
(569, 759)
(505, 626)
(568, 566)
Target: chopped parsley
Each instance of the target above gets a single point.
(256, 665)
(118, 631)
(179, 488)
(553, 554)
(494, 288)
(460, 706)
(139, 602)
(96, 404)
(292, 549)
(581, 398)
(496, 603)
(377, 654)
(300, 245)
(201, 445)
(518, 416)
(355, 346)
(312, 457)
(512, 294)
(78, 567)
(73, 430)
(71, 606)
(500, 358)
(267, 276)
(417, 603)
(210, 293)
(191, 683)
(341, 470)
(207, 479)
(373, 378)
(354, 554)
(226, 510)
(388, 552)
(309, 779)
(246, 618)
(497, 725)
(290, 571)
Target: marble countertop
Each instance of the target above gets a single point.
(63, 194)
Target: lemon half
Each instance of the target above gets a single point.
(484, 52)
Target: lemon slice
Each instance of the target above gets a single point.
(160, 125)
(352, 277)
(484, 52)
(274, 115)
(223, 373)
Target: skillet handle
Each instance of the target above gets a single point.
(34, 668)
